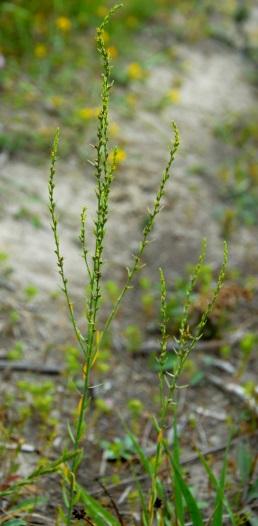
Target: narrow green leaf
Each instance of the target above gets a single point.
(29, 504)
(142, 456)
(219, 501)
(44, 468)
(244, 462)
(16, 522)
(65, 497)
(253, 491)
(95, 510)
(70, 432)
(179, 504)
(215, 485)
(52, 467)
(143, 502)
(189, 499)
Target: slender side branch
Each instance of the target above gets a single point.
(188, 300)
(54, 226)
(187, 342)
(136, 266)
(82, 238)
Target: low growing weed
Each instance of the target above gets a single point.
(167, 499)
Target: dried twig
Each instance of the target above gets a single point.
(106, 491)
(26, 366)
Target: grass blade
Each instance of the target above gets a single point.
(95, 510)
(191, 504)
(244, 462)
(179, 504)
(16, 522)
(215, 484)
(140, 452)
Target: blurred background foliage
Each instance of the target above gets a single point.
(48, 52)
(55, 30)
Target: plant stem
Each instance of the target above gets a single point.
(104, 177)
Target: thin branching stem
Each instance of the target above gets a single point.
(187, 342)
(168, 382)
(137, 264)
(104, 174)
(54, 226)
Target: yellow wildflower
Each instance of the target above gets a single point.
(88, 113)
(113, 51)
(135, 71)
(119, 154)
(174, 96)
(102, 10)
(63, 23)
(40, 51)
(114, 129)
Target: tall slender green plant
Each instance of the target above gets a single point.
(156, 510)
(104, 174)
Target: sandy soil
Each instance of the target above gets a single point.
(214, 85)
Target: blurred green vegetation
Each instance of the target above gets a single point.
(45, 29)
(238, 175)
(47, 52)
